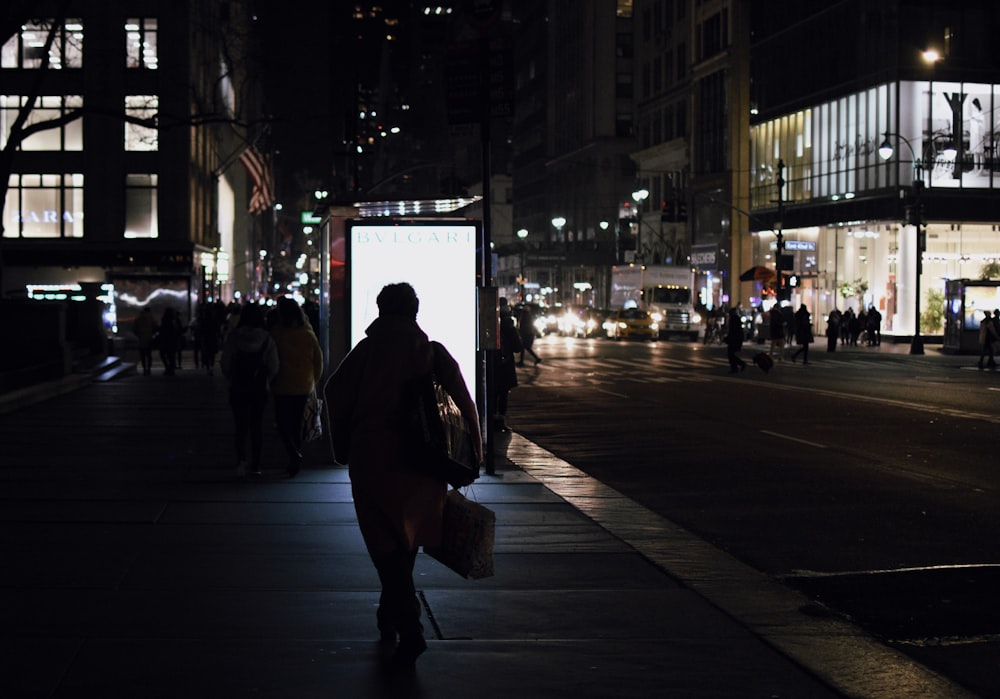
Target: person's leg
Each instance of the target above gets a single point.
(256, 429)
(288, 411)
(399, 608)
(503, 400)
(241, 421)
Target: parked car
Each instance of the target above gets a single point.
(631, 323)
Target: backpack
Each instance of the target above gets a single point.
(248, 370)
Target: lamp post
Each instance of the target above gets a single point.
(779, 232)
(558, 222)
(522, 235)
(916, 217)
(639, 195)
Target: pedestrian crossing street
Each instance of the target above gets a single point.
(695, 367)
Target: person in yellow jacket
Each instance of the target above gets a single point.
(301, 367)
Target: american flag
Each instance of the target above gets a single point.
(259, 168)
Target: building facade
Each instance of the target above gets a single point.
(136, 194)
(573, 132)
(888, 152)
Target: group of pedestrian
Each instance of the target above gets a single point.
(170, 337)
(778, 330)
(867, 323)
(283, 362)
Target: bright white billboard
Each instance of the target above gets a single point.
(438, 259)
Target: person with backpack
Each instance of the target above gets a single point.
(250, 362)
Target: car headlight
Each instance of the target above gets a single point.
(695, 318)
(657, 317)
(622, 325)
(654, 327)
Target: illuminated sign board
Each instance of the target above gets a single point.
(438, 259)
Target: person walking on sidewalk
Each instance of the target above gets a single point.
(734, 342)
(300, 367)
(777, 333)
(833, 330)
(987, 336)
(169, 339)
(144, 328)
(506, 373)
(250, 362)
(527, 331)
(398, 507)
(803, 333)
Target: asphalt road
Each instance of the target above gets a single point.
(867, 479)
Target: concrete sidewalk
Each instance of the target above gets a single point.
(136, 565)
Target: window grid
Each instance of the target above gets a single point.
(44, 206)
(141, 50)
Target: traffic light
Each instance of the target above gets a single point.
(793, 281)
(682, 211)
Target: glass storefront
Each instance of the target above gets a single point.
(831, 153)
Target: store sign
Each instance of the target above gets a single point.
(704, 257)
(794, 245)
(42, 216)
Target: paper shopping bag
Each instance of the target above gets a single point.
(467, 537)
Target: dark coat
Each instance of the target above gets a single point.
(397, 506)
(734, 332)
(510, 344)
(803, 326)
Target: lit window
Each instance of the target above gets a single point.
(26, 49)
(140, 206)
(140, 43)
(140, 137)
(68, 136)
(44, 206)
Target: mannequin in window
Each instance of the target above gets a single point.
(977, 137)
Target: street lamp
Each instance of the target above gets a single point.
(885, 151)
(522, 236)
(639, 195)
(559, 222)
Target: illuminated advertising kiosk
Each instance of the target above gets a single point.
(440, 259)
(966, 301)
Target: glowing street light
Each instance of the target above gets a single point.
(885, 151)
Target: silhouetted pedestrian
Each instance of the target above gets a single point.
(249, 361)
(207, 334)
(399, 508)
(803, 333)
(777, 333)
(987, 337)
(300, 368)
(168, 340)
(873, 326)
(505, 377)
(526, 330)
(144, 328)
(832, 330)
(734, 342)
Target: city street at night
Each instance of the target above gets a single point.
(865, 479)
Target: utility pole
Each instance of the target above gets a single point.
(917, 219)
(780, 250)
